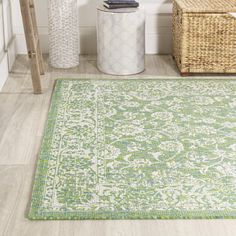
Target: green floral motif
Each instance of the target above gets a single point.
(138, 149)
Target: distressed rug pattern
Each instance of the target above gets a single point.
(138, 149)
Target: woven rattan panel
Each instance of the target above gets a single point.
(204, 42)
(207, 5)
(211, 43)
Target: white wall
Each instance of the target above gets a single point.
(7, 40)
(158, 25)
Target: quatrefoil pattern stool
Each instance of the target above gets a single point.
(121, 41)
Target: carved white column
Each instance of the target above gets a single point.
(63, 33)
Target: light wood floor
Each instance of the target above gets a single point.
(22, 119)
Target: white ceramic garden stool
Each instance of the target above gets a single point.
(63, 33)
(121, 41)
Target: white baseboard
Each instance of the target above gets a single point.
(156, 42)
(11, 53)
(7, 59)
(4, 70)
(158, 35)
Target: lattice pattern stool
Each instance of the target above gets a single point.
(121, 41)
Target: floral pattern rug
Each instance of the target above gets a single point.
(138, 149)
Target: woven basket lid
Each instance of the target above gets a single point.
(207, 5)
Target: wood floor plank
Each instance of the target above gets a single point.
(149, 227)
(11, 182)
(22, 118)
(18, 224)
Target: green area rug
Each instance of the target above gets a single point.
(138, 149)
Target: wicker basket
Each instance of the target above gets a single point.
(204, 36)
